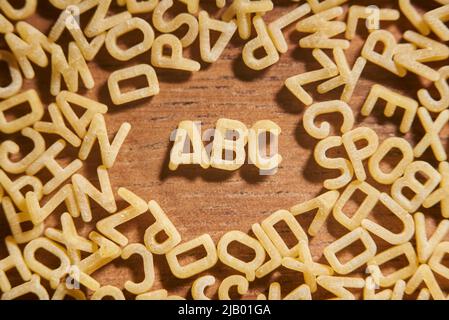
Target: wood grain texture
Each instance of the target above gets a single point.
(212, 201)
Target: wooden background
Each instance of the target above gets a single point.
(212, 201)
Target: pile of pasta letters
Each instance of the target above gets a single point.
(329, 25)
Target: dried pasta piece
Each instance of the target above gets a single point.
(174, 24)
(69, 20)
(323, 131)
(29, 46)
(14, 73)
(10, 147)
(398, 290)
(441, 194)
(98, 131)
(295, 83)
(347, 77)
(161, 294)
(426, 246)
(206, 24)
(390, 278)
(436, 20)
(53, 275)
(48, 161)
(66, 99)
(321, 5)
(357, 155)
(147, 282)
(5, 25)
(63, 4)
(29, 97)
(198, 266)
(372, 15)
(394, 100)
(69, 69)
(136, 6)
(108, 291)
(262, 40)
(420, 189)
(123, 28)
(268, 160)
(62, 291)
(242, 10)
(384, 233)
(432, 136)
(323, 203)
(323, 29)
(429, 50)
(338, 286)
(175, 60)
(246, 267)
(330, 252)
(436, 260)
(70, 239)
(389, 144)
(302, 292)
(33, 286)
(354, 220)
(119, 97)
(199, 286)
(16, 219)
(414, 16)
(390, 48)
(13, 260)
(425, 275)
(188, 130)
(99, 23)
(14, 188)
(268, 225)
(342, 164)
(275, 27)
(275, 258)
(442, 86)
(108, 226)
(232, 281)
(369, 291)
(21, 13)
(84, 189)
(162, 224)
(304, 263)
(38, 214)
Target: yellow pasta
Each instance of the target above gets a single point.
(342, 164)
(198, 266)
(323, 29)
(321, 5)
(199, 286)
(436, 20)
(120, 30)
(29, 97)
(269, 160)
(330, 252)
(62, 291)
(147, 282)
(389, 144)
(440, 195)
(394, 100)
(14, 72)
(206, 24)
(108, 291)
(246, 267)
(136, 6)
(432, 136)
(119, 97)
(14, 188)
(232, 281)
(108, 226)
(323, 131)
(5, 25)
(420, 189)
(62, 4)
(425, 246)
(442, 86)
(33, 286)
(166, 26)
(162, 224)
(275, 258)
(436, 260)
(302, 292)
(84, 189)
(323, 205)
(13, 260)
(262, 40)
(425, 275)
(268, 225)
(429, 50)
(175, 60)
(414, 16)
(295, 83)
(21, 13)
(338, 286)
(373, 16)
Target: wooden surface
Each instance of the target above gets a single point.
(212, 201)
